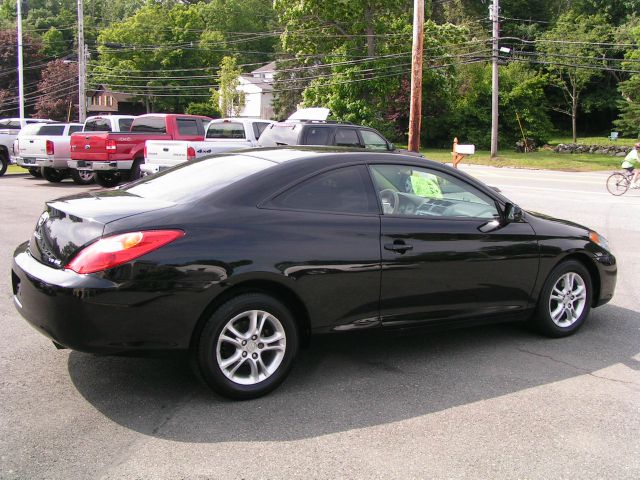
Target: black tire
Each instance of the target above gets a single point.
(53, 175)
(81, 177)
(618, 184)
(4, 163)
(107, 179)
(35, 171)
(135, 172)
(206, 351)
(564, 324)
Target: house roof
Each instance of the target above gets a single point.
(258, 82)
(268, 68)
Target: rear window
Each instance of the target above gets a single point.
(97, 125)
(149, 125)
(51, 130)
(124, 124)
(193, 180)
(280, 134)
(30, 130)
(75, 128)
(226, 130)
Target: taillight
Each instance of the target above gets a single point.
(111, 145)
(191, 153)
(50, 148)
(145, 150)
(109, 252)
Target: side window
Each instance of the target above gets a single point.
(75, 128)
(346, 137)
(124, 124)
(98, 125)
(417, 191)
(344, 190)
(54, 130)
(372, 140)
(258, 128)
(187, 126)
(149, 125)
(317, 136)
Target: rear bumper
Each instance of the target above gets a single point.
(152, 168)
(93, 314)
(25, 162)
(57, 163)
(100, 166)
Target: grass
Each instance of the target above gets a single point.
(15, 169)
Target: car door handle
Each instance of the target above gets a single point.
(399, 247)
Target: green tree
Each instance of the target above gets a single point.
(629, 119)
(53, 43)
(230, 100)
(571, 49)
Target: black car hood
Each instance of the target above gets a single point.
(559, 225)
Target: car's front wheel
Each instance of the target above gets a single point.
(565, 300)
(247, 347)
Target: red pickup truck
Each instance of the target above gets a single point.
(115, 157)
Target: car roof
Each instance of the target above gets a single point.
(288, 154)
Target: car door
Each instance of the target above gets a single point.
(328, 235)
(441, 257)
(346, 137)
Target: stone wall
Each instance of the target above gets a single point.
(612, 150)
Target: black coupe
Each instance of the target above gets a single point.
(240, 257)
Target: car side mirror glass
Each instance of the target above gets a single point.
(512, 213)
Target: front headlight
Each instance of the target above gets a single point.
(598, 239)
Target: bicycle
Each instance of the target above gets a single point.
(619, 182)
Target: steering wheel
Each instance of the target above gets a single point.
(390, 201)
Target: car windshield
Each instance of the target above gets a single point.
(193, 180)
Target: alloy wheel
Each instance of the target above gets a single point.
(568, 299)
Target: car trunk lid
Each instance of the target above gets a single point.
(69, 224)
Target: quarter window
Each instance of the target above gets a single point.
(415, 191)
(317, 136)
(345, 190)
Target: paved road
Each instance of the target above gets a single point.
(490, 402)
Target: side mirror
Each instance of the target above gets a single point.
(511, 213)
(390, 146)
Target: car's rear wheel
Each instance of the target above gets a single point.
(135, 172)
(35, 171)
(82, 177)
(4, 163)
(53, 175)
(107, 179)
(247, 347)
(565, 300)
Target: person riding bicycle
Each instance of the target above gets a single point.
(630, 163)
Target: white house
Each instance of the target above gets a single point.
(258, 88)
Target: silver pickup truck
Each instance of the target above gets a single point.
(43, 149)
(9, 129)
(221, 135)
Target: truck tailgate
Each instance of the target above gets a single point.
(169, 153)
(32, 146)
(89, 146)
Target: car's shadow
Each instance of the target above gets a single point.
(343, 383)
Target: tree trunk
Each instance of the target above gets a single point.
(371, 45)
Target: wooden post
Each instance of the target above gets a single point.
(457, 158)
(415, 111)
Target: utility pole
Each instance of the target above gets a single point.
(20, 65)
(415, 111)
(82, 66)
(494, 13)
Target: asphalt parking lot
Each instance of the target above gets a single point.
(488, 402)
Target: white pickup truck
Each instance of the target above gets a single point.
(44, 149)
(9, 129)
(221, 135)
